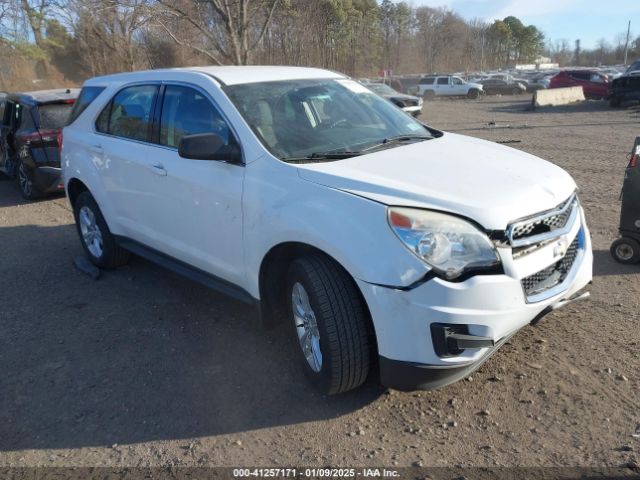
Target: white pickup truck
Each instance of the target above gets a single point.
(447, 85)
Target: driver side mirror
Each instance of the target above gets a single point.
(209, 146)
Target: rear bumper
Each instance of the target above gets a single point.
(48, 179)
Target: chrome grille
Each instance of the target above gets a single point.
(543, 226)
(552, 275)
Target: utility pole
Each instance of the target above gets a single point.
(482, 53)
(626, 44)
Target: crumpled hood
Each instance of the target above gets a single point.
(487, 182)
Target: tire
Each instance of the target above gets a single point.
(103, 251)
(516, 91)
(24, 176)
(614, 102)
(429, 95)
(338, 351)
(473, 94)
(625, 250)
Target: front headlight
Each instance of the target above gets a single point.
(448, 244)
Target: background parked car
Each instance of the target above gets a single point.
(625, 88)
(594, 84)
(447, 86)
(509, 79)
(493, 86)
(634, 67)
(408, 103)
(30, 138)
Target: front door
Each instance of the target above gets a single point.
(197, 204)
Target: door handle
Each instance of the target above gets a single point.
(96, 149)
(158, 169)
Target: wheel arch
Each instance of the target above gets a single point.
(74, 188)
(272, 280)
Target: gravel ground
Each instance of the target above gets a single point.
(144, 368)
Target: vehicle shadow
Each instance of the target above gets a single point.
(605, 265)
(10, 194)
(139, 354)
(526, 107)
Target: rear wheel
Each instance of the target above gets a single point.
(516, 91)
(625, 250)
(25, 182)
(614, 102)
(429, 95)
(330, 324)
(96, 238)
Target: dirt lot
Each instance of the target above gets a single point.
(145, 368)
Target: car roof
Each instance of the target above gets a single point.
(227, 75)
(45, 96)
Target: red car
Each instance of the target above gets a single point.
(594, 83)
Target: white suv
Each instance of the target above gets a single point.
(377, 239)
(447, 86)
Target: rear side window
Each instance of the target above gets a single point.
(3, 103)
(581, 75)
(443, 81)
(427, 81)
(54, 115)
(129, 113)
(186, 111)
(87, 95)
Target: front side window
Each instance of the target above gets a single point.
(315, 117)
(129, 113)
(186, 111)
(456, 81)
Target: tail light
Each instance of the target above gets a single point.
(30, 137)
(60, 144)
(633, 163)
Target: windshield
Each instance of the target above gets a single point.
(311, 118)
(382, 89)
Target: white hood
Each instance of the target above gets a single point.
(487, 182)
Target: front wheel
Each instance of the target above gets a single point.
(625, 250)
(330, 324)
(473, 94)
(98, 242)
(614, 102)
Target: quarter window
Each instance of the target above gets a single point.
(185, 111)
(129, 113)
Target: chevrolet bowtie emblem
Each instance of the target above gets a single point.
(560, 248)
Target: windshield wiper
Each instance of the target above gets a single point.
(396, 139)
(320, 156)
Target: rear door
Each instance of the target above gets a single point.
(10, 121)
(121, 147)
(442, 86)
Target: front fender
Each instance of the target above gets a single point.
(351, 229)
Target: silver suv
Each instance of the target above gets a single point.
(447, 85)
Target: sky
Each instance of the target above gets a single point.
(588, 20)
